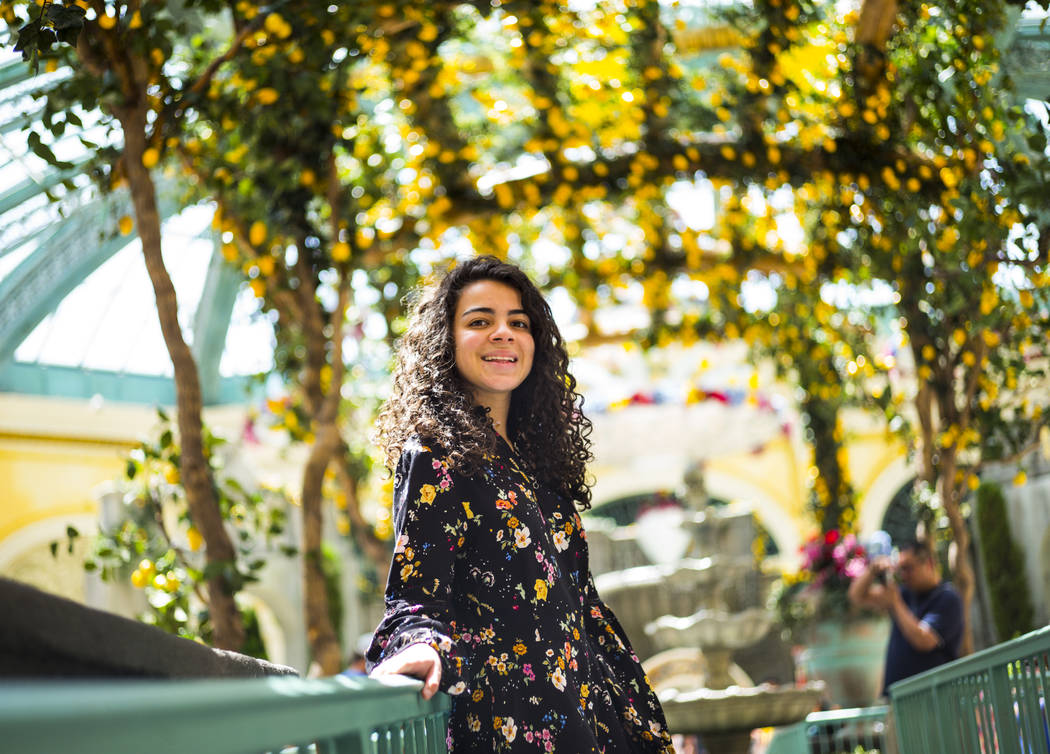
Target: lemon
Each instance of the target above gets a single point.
(257, 233)
(194, 539)
(267, 95)
(340, 251)
(139, 579)
(150, 157)
(107, 22)
(126, 225)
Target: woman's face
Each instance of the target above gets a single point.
(493, 340)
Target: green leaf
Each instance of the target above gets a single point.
(43, 151)
(68, 22)
(53, 546)
(32, 39)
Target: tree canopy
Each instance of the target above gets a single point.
(854, 193)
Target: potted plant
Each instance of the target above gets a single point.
(839, 643)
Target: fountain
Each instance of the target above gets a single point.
(684, 583)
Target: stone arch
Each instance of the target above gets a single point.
(25, 555)
(880, 493)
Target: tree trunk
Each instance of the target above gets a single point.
(196, 474)
(324, 644)
(323, 404)
(962, 568)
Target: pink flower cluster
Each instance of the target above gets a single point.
(833, 557)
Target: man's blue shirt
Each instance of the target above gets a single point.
(940, 609)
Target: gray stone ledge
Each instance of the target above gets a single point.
(44, 636)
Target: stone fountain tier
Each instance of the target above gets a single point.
(724, 718)
(711, 629)
(638, 596)
(668, 535)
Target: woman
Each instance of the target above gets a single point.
(490, 596)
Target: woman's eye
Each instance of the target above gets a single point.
(521, 324)
(478, 323)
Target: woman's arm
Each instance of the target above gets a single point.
(419, 622)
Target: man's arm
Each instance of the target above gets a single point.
(916, 632)
(864, 591)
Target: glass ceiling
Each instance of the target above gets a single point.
(77, 316)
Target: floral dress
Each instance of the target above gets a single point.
(491, 571)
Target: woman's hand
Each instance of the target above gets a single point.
(417, 660)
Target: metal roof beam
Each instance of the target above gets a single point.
(212, 321)
(35, 287)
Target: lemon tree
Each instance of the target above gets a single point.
(121, 73)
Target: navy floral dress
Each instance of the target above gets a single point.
(491, 571)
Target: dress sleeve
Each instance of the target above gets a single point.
(639, 704)
(430, 530)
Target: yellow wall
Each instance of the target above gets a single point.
(55, 454)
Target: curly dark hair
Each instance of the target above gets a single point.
(431, 401)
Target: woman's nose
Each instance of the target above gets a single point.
(503, 331)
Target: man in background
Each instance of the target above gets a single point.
(926, 611)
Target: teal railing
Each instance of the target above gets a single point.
(992, 702)
(840, 731)
(287, 715)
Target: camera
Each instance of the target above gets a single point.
(879, 546)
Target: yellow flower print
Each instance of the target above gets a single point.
(406, 571)
(478, 695)
(541, 589)
(466, 507)
(427, 493)
(520, 649)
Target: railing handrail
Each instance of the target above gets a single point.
(206, 717)
(847, 715)
(994, 656)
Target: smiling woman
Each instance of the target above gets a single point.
(494, 346)
(490, 597)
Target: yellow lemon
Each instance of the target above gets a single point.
(107, 22)
(126, 225)
(194, 538)
(267, 95)
(139, 579)
(257, 233)
(340, 251)
(150, 158)
(266, 266)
